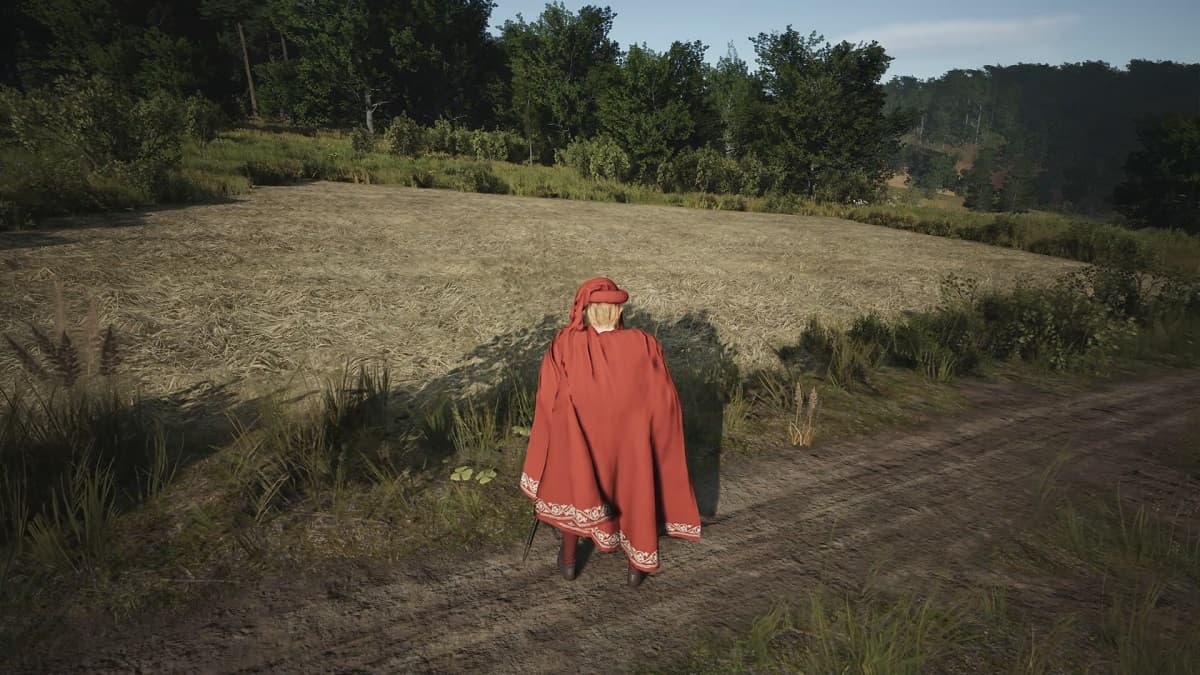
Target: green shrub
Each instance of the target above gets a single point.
(709, 170)
(599, 158)
(404, 136)
(362, 143)
(1001, 231)
(203, 119)
(929, 169)
(731, 203)
(759, 178)
(1096, 243)
(496, 146)
(872, 329)
(841, 357)
(716, 173)
(678, 173)
(442, 137)
(1081, 322)
(940, 344)
(88, 146)
(1058, 327)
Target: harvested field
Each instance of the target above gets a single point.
(296, 279)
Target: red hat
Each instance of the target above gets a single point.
(600, 289)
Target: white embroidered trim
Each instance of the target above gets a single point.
(609, 542)
(586, 522)
(683, 530)
(581, 518)
(529, 485)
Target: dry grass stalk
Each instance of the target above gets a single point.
(26, 359)
(62, 356)
(110, 357)
(60, 309)
(802, 429)
(91, 336)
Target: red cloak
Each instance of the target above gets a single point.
(606, 456)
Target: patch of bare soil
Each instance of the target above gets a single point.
(925, 506)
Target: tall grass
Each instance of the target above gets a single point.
(1083, 322)
(71, 460)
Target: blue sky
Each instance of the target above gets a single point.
(926, 37)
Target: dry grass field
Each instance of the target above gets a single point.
(296, 279)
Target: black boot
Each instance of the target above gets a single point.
(635, 577)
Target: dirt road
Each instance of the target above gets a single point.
(926, 505)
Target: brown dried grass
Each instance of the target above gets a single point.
(299, 278)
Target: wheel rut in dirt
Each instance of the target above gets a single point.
(916, 506)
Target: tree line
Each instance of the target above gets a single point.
(811, 118)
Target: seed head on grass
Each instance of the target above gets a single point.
(802, 429)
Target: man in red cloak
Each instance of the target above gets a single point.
(606, 457)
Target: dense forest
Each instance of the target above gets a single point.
(811, 118)
(1039, 135)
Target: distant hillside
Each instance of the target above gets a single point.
(1057, 135)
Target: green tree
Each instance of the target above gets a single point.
(139, 45)
(1162, 178)
(929, 169)
(824, 117)
(237, 18)
(343, 64)
(979, 183)
(736, 95)
(427, 58)
(659, 105)
(561, 64)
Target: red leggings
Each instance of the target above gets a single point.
(569, 544)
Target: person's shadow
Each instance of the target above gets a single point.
(701, 365)
(705, 374)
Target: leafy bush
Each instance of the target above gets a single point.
(497, 146)
(204, 119)
(599, 158)
(841, 357)
(716, 173)
(1001, 231)
(362, 142)
(14, 216)
(678, 173)
(404, 136)
(91, 147)
(1082, 321)
(929, 169)
(442, 137)
(731, 203)
(759, 178)
(940, 344)
(1092, 242)
(1056, 327)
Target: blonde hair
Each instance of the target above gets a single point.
(602, 314)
